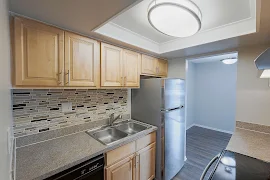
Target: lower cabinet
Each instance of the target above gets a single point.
(132, 161)
(145, 163)
(121, 170)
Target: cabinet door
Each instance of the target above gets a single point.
(149, 65)
(82, 61)
(146, 162)
(122, 170)
(162, 67)
(111, 66)
(131, 68)
(38, 54)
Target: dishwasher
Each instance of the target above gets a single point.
(92, 169)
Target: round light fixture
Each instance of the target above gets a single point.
(178, 18)
(229, 61)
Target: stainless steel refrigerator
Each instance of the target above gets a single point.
(161, 102)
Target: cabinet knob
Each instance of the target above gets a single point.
(59, 78)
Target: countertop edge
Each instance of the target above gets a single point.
(240, 143)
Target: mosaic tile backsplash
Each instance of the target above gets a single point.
(37, 111)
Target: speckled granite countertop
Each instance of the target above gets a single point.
(251, 143)
(44, 159)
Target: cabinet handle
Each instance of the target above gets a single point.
(59, 77)
(125, 80)
(68, 74)
(136, 159)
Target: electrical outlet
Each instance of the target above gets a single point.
(66, 107)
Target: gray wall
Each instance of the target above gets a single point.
(5, 100)
(215, 95)
(190, 98)
(252, 93)
(177, 68)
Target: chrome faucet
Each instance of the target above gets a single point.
(113, 119)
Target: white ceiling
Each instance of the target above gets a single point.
(84, 16)
(215, 13)
(222, 20)
(214, 58)
(81, 16)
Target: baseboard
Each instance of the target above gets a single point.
(190, 126)
(215, 129)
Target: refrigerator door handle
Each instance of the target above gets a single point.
(172, 109)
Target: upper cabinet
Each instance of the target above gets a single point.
(162, 67)
(38, 54)
(82, 61)
(149, 65)
(154, 67)
(111, 66)
(119, 67)
(45, 56)
(132, 62)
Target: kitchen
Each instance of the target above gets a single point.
(84, 96)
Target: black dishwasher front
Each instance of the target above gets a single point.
(92, 169)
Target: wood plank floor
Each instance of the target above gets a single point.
(202, 145)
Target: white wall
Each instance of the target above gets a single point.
(5, 99)
(215, 95)
(253, 93)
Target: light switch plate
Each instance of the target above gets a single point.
(66, 107)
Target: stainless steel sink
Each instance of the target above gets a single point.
(111, 134)
(130, 127)
(108, 136)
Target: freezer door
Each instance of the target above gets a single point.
(174, 122)
(173, 93)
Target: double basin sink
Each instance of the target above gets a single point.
(111, 134)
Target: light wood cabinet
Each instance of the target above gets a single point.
(82, 61)
(131, 69)
(145, 163)
(122, 170)
(119, 67)
(162, 67)
(119, 153)
(111, 66)
(145, 141)
(45, 56)
(149, 65)
(38, 54)
(154, 67)
(124, 163)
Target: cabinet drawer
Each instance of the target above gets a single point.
(119, 153)
(145, 141)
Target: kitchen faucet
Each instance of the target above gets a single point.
(113, 119)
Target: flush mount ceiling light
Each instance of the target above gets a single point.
(229, 61)
(178, 18)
